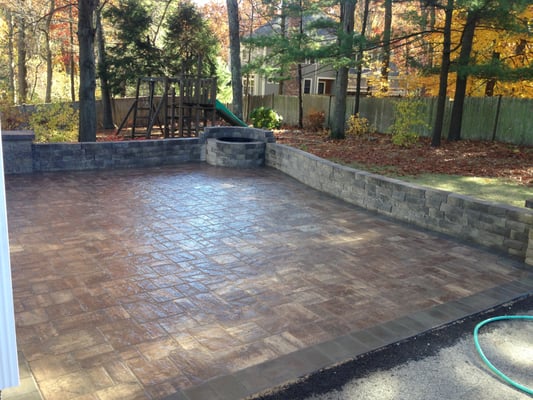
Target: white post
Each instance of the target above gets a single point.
(9, 374)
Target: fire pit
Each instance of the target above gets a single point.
(236, 146)
(236, 139)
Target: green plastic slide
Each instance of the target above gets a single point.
(227, 115)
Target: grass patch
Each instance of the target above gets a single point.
(492, 189)
(499, 190)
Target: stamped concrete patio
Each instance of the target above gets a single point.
(196, 282)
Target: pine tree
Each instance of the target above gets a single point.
(346, 49)
(187, 40)
(443, 77)
(133, 54)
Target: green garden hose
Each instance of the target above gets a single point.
(489, 364)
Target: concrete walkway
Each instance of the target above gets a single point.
(196, 282)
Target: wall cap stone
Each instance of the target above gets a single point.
(262, 135)
(18, 135)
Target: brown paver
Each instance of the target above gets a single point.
(142, 284)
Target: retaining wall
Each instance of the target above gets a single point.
(17, 149)
(23, 156)
(504, 228)
(500, 227)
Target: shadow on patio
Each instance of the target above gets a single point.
(198, 282)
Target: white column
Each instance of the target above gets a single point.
(9, 374)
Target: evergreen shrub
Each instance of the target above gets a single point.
(265, 118)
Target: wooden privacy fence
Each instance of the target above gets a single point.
(503, 119)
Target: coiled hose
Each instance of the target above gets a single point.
(485, 359)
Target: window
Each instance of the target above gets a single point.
(248, 85)
(325, 85)
(321, 87)
(307, 86)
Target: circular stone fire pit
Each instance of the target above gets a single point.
(236, 139)
(236, 147)
(235, 152)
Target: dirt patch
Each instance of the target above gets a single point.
(377, 153)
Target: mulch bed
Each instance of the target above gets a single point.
(378, 153)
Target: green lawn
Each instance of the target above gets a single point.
(492, 189)
(499, 190)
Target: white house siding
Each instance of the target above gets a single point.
(8, 346)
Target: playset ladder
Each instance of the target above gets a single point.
(183, 104)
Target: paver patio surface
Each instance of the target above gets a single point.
(143, 284)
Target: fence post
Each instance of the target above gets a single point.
(329, 111)
(497, 117)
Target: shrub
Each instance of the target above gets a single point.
(265, 118)
(407, 119)
(358, 126)
(405, 139)
(56, 122)
(12, 117)
(316, 120)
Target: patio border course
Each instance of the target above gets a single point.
(266, 378)
(496, 226)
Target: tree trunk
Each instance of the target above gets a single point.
(107, 110)
(432, 22)
(49, 69)
(443, 79)
(491, 82)
(386, 46)
(428, 20)
(71, 60)
(11, 56)
(86, 32)
(22, 71)
(235, 56)
(48, 47)
(281, 87)
(300, 98)
(300, 72)
(462, 76)
(360, 54)
(341, 83)
(283, 25)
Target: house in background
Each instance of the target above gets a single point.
(318, 79)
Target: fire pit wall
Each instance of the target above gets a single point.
(232, 146)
